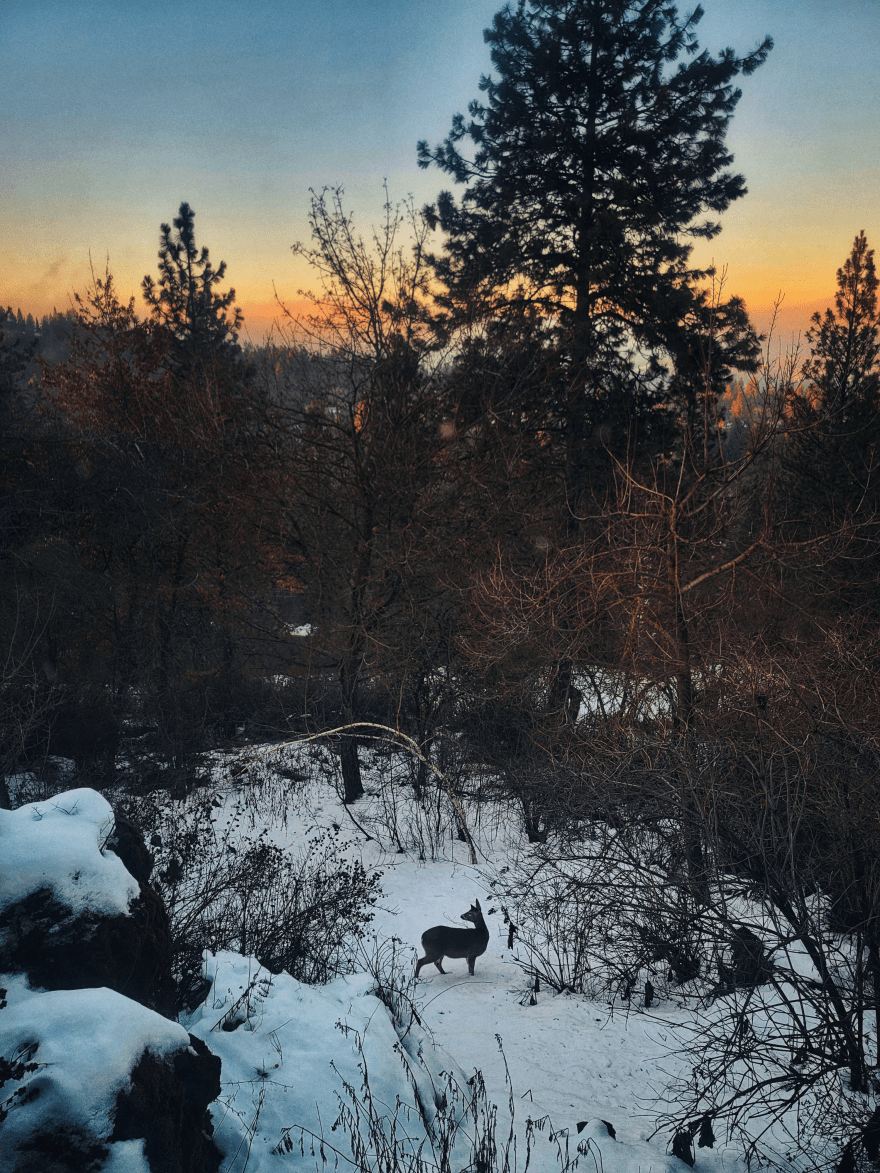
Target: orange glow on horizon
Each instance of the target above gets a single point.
(805, 289)
(262, 318)
(792, 317)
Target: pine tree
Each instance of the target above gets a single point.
(844, 363)
(832, 459)
(598, 154)
(170, 513)
(186, 301)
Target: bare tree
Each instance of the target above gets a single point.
(365, 486)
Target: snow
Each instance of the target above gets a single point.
(294, 1057)
(86, 1043)
(563, 1062)
(57, 845)
(291, 1048)
(570, 1061)
(127, 1156)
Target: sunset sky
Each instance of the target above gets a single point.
(115, 111)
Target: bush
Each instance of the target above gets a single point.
(602, 911)
(305, 914)
(744, 877)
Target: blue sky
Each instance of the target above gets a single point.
(115, 111)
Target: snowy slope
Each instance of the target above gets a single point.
(560, 1060)
(295, 1056)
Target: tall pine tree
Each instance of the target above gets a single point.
(831, 462)
(599, 153)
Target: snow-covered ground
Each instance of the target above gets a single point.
(306, 1068)
(567, 1065)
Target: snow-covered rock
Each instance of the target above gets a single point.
(94, 1077)
(58, 845)
(107, 1085)
(71, 914)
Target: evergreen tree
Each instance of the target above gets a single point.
(844, 362)
(203, 321)
(830, 462)
(598, 154)
(16, 351)
(169, 521)
(714, 340)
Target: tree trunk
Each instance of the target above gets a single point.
(564, 697)
(352, 660)
(352, 785)
(682, 673)
(698, 879)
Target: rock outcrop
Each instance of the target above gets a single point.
(97, 1074)
(60, 950)
(83, 913)
(167, 1106)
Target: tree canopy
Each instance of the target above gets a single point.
(599, 154)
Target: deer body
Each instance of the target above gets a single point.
(445, 941)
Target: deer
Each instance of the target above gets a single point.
(445, 941)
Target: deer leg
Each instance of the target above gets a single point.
(439, 966)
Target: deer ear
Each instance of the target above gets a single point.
(478, 907)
